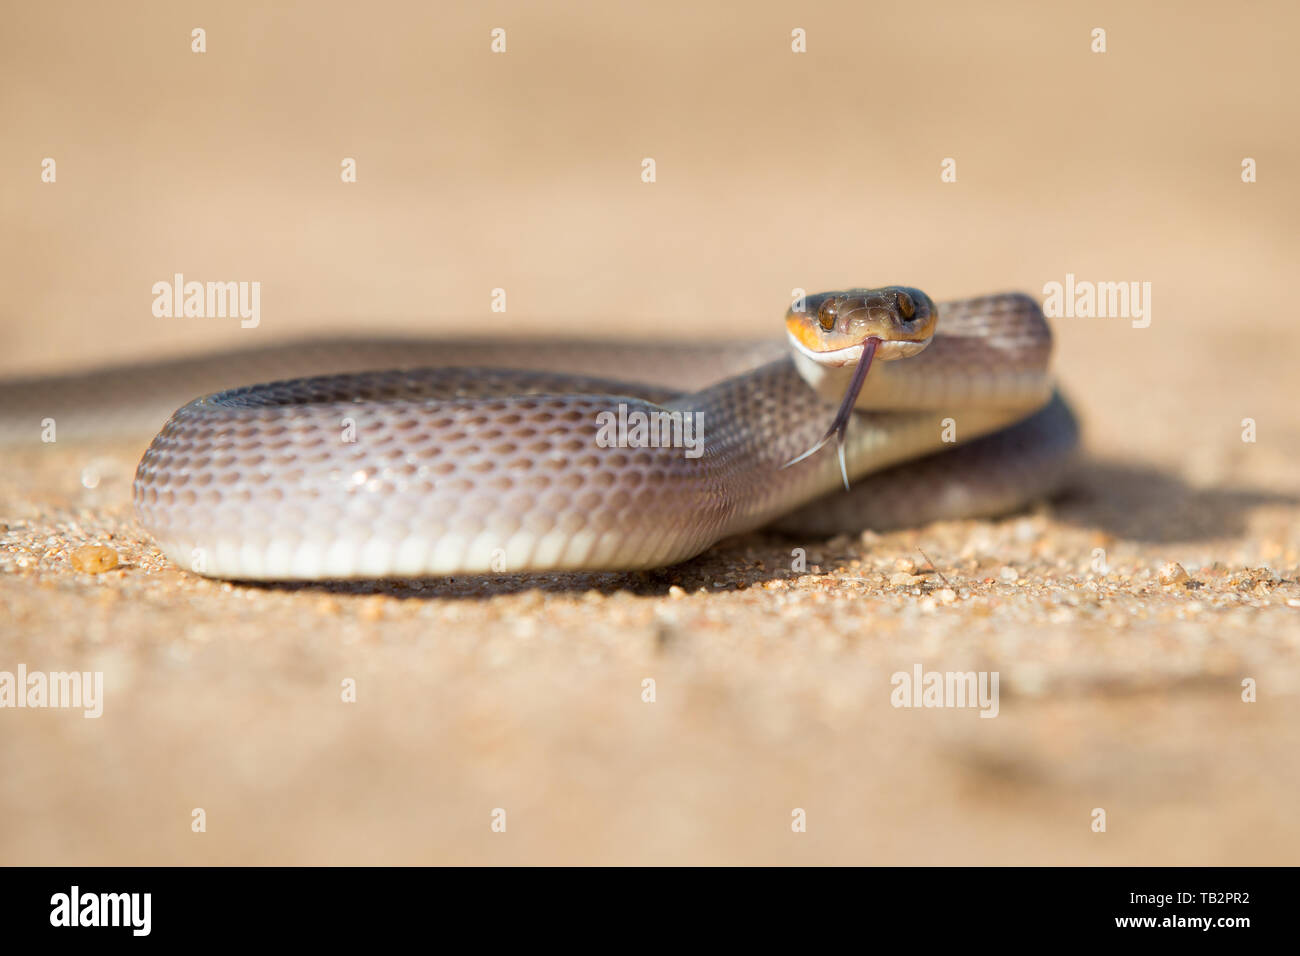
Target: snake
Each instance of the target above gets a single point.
(877, 409)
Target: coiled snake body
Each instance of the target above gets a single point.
(434, 471)
(488, 456)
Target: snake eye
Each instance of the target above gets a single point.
(826, 316)
(905, 305)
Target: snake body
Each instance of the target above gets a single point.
(465, 468)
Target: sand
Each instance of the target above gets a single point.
(389, 722)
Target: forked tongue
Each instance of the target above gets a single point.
(839, 427)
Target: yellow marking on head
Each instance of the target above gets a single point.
(807, 331)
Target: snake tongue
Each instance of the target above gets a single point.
(840, 425)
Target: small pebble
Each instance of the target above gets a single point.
(94, 558)
(1173, 573)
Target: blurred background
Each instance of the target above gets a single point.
(775, 170)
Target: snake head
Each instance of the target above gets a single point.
(836, 329)
(833, 327)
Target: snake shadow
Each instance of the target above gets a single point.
(1147, 505)
(1130, 502)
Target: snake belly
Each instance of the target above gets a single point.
(466, 469)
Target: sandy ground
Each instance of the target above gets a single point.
(772, 686)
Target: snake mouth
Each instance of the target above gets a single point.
(886, 350)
